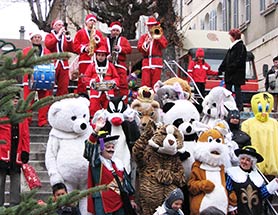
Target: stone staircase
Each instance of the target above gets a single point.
(38, 139)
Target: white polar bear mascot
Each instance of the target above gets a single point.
(64, 159)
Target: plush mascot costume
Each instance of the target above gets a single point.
(263, 132)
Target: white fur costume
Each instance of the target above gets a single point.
(64, 159)
(216, 105)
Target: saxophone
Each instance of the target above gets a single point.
(114, 54)
(93, 42)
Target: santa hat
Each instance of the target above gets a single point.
(115, 25)
(90, 17)
(200, 53)
(152, 21)
(31, 34)
(56, 21)
(102, 49)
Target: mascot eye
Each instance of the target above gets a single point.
(260, 107)
(120, 106)
(73, 118)
(218, 140)
(152, 114)
(267, 107)
(140, 114)
(213, 104)
(210, 139)
(112, 107)
(192, 120)
(84, 116)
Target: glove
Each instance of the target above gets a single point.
(24, 157)
(88, 152)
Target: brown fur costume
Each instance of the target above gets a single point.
(207, 184)
(160, 169)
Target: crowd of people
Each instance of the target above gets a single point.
(102, 69)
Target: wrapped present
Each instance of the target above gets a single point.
(31, 176)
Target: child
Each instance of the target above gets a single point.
(100, 71)
(58, 190)
(172, 204)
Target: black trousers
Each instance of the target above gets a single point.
(238, 93)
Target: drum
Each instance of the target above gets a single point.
(43, 77)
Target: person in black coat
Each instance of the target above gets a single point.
(234, 65)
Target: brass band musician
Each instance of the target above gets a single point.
(151, 45)
(118, 47)
(85, 40)
(59, 41)
(102, 77)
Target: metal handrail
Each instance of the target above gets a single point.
(168, 65)
(276, 193)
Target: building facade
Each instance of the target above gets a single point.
(257, 19)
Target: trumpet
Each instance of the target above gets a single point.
(114, 53)
(156, 32)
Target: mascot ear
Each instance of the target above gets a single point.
(155, 105)
(199, 126)
(135, 104)
(157, 85)
(178, 89)
(168, 106)
(55, 108)
(84, 101)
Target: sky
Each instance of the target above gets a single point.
(14, 14)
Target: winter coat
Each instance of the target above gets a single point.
(7, 153)
(271, 81)
(234, 64)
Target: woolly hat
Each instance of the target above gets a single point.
(56, 21)
(102, 49)
(176, 194)
(90, 17)
(115, 25)
(104, 138)
(249, 150)
(200, 52)
(31, 34)
(152, 21)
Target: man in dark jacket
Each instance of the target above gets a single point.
(234, 65)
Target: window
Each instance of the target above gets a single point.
(235, 13)
(248, 10)
(212, 20)
(224, 15)
(262, 5)
(202, 24)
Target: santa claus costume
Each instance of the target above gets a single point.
(151, 50)
(119, 47)
(59, 42)
(81, 43)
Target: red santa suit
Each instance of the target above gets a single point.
(42, 112)
(98, 99)
(152, 63)
(60, 45)
(120, 64)
(81, 41)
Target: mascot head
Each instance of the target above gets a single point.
(210, 148)
(167, 139)
(262, 104)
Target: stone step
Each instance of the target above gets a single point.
(38, 165)
(39, 130)
(40, 195)
(39, 138)
(38, 156)
(37, 147)
(46, 187)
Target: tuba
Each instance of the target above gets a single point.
(156, 32)
(94, 40)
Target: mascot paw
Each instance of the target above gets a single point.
(207, 186)
(164, 176)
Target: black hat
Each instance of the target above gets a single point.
(249, 150)
(275, 58)
(104, 137)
